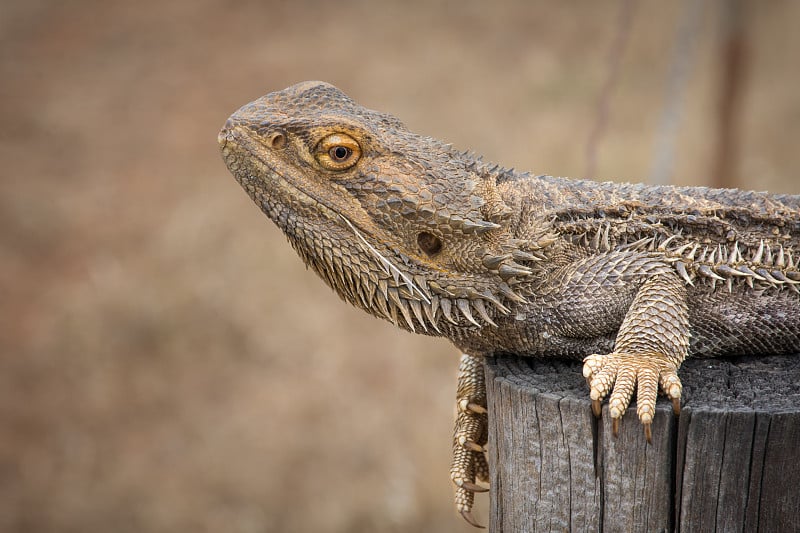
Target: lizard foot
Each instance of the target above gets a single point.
(470, 436)
(625, 372)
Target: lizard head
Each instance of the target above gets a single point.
(399, 224)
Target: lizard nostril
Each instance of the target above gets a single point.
(277, 140)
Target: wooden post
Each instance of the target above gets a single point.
(730, 462)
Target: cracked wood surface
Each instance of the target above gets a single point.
(728, 463)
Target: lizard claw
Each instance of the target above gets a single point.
(676, 406)
(624, 373)
(471, 445)
(648, 434)
(597, 408)
(476, 408)
(473, 487)
(467, 515)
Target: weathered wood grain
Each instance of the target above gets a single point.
(730, 462)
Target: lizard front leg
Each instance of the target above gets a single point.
(470, 435)
(652, 342)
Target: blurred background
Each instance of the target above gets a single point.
(166, 361)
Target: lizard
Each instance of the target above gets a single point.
(630, 278)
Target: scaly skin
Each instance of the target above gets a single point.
(631, 278)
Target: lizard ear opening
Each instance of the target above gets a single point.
(429, 243)
(277, 140)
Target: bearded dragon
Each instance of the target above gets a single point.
(630, 278)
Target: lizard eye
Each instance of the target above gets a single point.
(338, 152)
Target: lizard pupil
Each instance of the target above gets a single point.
(429, 243)
(340, 153)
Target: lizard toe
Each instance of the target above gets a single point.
(671, 385)
(620, 374)
(601, 374)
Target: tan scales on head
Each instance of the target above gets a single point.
(432, 220)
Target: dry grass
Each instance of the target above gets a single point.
(167, 364)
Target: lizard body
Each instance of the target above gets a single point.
(632, 278)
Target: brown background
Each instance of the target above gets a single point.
(167, 363)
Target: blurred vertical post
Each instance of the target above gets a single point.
(683, 52)
(615, 53)
(733, 70)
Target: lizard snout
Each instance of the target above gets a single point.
(224, 133)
